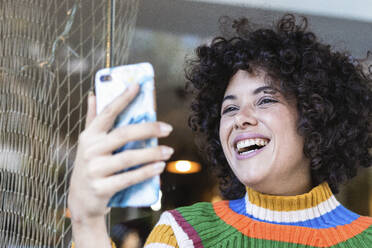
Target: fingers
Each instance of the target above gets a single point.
(120, 181)
(104, 121)
(124, 160)
(91, 112)
(122, 135)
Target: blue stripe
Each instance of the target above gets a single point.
(337, 217)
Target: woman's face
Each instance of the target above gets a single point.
(259, 137)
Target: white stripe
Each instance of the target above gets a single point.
(291, 216)
(182, 238)
(158, 245)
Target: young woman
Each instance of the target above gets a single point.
(285, 121)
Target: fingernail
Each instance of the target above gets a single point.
(159, 166)
(165, 128)
(167, 151)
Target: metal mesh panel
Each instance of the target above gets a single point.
(49, 52)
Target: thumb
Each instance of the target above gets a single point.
(91, 112)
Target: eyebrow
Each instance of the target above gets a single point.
(229, 97)
(268, 89)
(265, 89)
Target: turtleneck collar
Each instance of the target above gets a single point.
(317, 208)
(316, 196)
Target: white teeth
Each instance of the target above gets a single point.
(247, 152)
(250, 142)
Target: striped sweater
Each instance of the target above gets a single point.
(314, 219)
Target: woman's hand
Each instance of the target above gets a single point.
(93, 179)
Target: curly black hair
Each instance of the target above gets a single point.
(333, 96)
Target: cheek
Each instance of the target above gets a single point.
(284, 126)
(225, 127)
(282, 121)
(222, 132)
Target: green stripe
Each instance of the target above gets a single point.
(214, 232)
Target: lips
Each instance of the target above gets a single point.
(245, 136)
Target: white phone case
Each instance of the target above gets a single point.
(110, 83)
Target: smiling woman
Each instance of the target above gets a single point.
(285, 121)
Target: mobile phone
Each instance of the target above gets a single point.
(110, 83)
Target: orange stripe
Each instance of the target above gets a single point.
(291, 234)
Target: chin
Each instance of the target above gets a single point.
(252, 181)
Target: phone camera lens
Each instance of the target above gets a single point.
(105, 78)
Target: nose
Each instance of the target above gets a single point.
(245, 119)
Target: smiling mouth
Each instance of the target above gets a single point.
(247, 146)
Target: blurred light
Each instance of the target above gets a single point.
(183, 167)
(157, 205)
(67, 213)
(216, 198)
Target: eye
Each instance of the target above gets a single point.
(229, 109)
(266, 100)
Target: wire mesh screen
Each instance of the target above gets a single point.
(49, 52)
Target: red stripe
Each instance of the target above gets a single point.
(187, 228)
